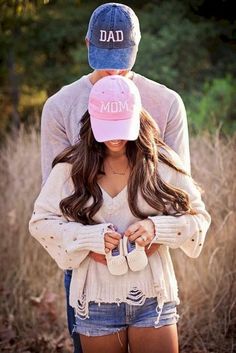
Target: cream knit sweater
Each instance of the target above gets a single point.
(69, 242)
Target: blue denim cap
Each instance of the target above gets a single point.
(114, 36)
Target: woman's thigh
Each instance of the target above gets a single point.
(153, 340)
(104, 330)
(114, 343)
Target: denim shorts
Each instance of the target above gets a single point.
(105, 319)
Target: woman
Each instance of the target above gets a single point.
(117, 192)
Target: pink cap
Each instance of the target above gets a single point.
(114, 107)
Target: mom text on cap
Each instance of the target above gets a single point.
(114, 107)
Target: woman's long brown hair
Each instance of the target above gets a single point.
(144, 155)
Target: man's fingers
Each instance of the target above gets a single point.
(98, 258)
(152, 249)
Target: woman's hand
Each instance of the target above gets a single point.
(142, 232)
(111, 240)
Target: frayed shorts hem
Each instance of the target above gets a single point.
(107, 319)
(113, 332)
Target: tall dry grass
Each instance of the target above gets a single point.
(32, 313)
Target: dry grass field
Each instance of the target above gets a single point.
(32, 309)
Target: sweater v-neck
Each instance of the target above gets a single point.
(113, 198)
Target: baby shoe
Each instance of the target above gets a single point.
(135, 255)
(116, 261)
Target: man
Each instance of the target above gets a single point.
(112, 39)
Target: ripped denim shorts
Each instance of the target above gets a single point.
(105, 319)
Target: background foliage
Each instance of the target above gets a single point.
(187, 45)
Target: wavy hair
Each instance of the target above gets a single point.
(144, 155)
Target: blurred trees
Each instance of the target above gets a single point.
(194, 53)
(187, 45)
(214, 106)
(39, 45)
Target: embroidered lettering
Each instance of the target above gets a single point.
(103, 35)
(114, 107)
(124, 106)
(111, 37)
(117, 36)
(104, 107)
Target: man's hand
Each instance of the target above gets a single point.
(98, 257)
(152, 249)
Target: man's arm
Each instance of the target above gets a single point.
(53, 136)
(176, 133)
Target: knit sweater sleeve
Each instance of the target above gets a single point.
(53, 136)
(67, 242)
(187, 231)
(176, 133)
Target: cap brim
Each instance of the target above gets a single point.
(112, 59)
(104, 130)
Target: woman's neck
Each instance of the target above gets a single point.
(116, 155)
